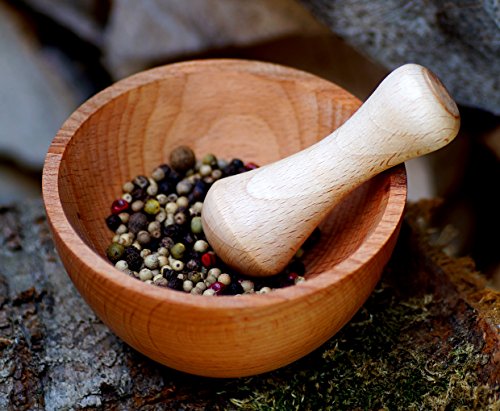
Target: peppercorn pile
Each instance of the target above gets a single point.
(159, 236)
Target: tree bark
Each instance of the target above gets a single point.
(428, 335)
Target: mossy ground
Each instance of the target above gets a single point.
(414, 345)
(379, 361)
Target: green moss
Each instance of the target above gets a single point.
(378, 361)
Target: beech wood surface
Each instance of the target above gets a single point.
(256, 111)
(257, 221)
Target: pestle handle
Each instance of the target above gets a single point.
(256, 221)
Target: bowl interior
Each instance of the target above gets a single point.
(253, 115)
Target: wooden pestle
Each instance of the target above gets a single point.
(256, 221)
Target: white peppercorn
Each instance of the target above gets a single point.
(158, 174)
(205, 170)
(171, 208)
(182, 201)
(122, 229)
(145, 274)
(163, 251)
(224, 279)
(216, 174)
(137, 205)
(126, 239)
(154, 229)
(151, 261)
(128, 187)
(215, 272)
(209, 292)
(143, 237)
(200, 246)
(247, 286)
(124, 217)
(183, 187)
(187, 286)
(196, 208)
(152, 189)
(162, 260)
(169, 220)
(161, 216)
(145, 252)
(121, 265)
(177, 265)
(162, 199)
(127, 197)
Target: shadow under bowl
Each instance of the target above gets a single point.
(251, 110)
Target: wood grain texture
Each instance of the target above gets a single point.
(257, 221)
(256, 111)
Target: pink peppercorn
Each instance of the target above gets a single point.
(119, 206)
(251, 166)
(217, 287)
(208, 259)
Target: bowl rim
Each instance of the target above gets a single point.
(88, 257)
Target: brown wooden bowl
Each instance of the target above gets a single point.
(256, 111)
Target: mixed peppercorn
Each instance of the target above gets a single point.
(159, 235)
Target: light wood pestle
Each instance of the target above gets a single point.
(256, 221)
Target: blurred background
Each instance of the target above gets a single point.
(54, 54)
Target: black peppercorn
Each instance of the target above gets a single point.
(137, 222)
(173, 231)
(164, 187)
(139, 194)
(141, 181)
(236, 162)
(167, 242)
(163, 219)
(166, 169)
(296, 266)
(200, 190)
(193, 265)
(175, 283)
(188, 239)
(168, 273)
(133, 258)
(233, 289)
(113, 222)
(174, 177)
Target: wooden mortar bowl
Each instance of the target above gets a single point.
(255, 111)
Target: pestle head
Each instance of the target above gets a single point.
(256, 221)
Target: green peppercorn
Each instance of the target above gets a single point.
(209, 159)
(194, 277)
(115, 252)
(196, 226)
(177, 251)
(152, 206)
